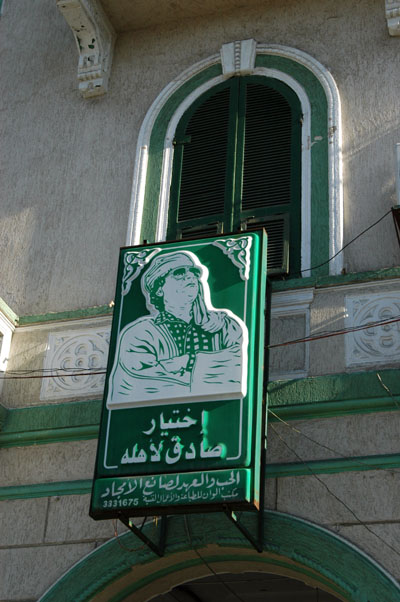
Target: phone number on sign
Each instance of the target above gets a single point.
(132, 501)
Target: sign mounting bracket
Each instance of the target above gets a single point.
(256, 542)
(159, 548)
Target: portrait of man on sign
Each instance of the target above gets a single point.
(185, 349)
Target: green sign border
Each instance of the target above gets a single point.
(248, 490)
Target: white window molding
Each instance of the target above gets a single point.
(335, 170)
(335, 157)
(392, 10)
(94, 37)
(289, 304)
(292, 300)
(6, 331)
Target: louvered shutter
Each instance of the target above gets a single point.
(237, 167)
(278, 230)
(200, 168)
(267, 157)
(270, 195)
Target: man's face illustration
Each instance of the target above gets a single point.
(181, 285)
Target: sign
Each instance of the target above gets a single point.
(182, 415)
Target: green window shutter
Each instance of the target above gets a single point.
(278, 230)
(206, 229)
(237, 167)
(271, 182)
(198, 187)
(267, 157)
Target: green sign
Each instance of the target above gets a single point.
(182, 414)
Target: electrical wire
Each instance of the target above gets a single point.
(43, 370)
(204, 561)
(387, 390)
(84, 372)
(315, 267)
(40, 373)
(117, 535)
(337, 498)
(50, 375)
(358, 462)
(334, 333)
(121, 545)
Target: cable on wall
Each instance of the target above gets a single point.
(315, 267)
(337, 498)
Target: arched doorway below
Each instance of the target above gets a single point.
(201, 547)
(245, 587)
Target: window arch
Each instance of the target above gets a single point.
(321, 183)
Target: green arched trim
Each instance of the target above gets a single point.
(156, 149)
(319, 152)
(319, 554)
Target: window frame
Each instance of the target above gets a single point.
(322, 197)
(233, 216)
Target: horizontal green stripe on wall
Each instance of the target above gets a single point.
(294, 469)
(329, 409)
(18, 492)
(355, 387)
(41, 437)
(339, 280)
(74, 314)
(69, 421)
(304, 399)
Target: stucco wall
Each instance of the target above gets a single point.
(83, 344)
(66, 168)
(54, 532)
(67, 163)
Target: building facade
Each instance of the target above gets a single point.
(103, 103)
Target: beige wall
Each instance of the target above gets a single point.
(329, 310)
(41, 538)
(66, 169)
(67, 163)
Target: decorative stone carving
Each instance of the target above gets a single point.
(94, 36)
(392, 8)
(375, 345)
(75, 351)
(238, 58)
(290, 319)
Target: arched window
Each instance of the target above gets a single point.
(223, 181)
(237, 166)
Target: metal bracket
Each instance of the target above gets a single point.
(156, 548)
(396, 219)
(258, 542)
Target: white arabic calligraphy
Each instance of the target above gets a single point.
(176, 488)
(135, 458)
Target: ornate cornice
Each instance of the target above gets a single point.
(94, 36)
